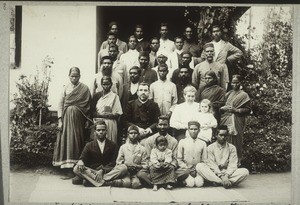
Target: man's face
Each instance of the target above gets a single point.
(100, 132)
(221, 136)
(132, 43)
(184, 73)
(216, 33)
(114, 29)
(162, 72)
(113, 52)
(186, 59)
(154, 46)
(74, 77)
(210, 52)
(139, 33)
(193, 131)
(134, 75)
(189, 97)
(111, 39)
(179, 43)
(144, 61)
(107, 65)
(163, 31)
(133, 136)
(143, 92)
(161, 59)
(188, 33)
(163, 126)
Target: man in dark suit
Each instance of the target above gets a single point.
(142, 44)
(97, 158)
(142, 112)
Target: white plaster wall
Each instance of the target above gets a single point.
(65, 33)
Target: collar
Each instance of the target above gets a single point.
(179, 51)
(140, 103)
(101, 142)
(222, 146)
(141, 39)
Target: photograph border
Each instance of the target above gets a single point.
(4, 90)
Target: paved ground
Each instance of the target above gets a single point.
(259, 188)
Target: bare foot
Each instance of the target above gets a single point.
(169, 187)
(155, 188)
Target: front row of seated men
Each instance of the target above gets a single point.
(101, 164)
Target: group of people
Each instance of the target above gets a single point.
(162, 104)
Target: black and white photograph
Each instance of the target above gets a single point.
(129, 103)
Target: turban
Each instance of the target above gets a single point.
(144, 53)
(207, 45)
(133, 127)
(162, 52)
(194, 123)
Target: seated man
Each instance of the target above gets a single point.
(97, 158)
(221, 167)
(192, 152)
(142, 112)
(132, 158)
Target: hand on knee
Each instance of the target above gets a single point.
(190, 181)
(199, 181)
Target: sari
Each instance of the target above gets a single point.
(70, 141)
(235, 121)
(109, 103)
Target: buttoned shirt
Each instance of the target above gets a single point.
(158, 156)
(172, 145)
(167, 45)
(133, 153)
(164, 93)
(191, 152)
(222, 159)
(130, 59)
(121, 69)
(221, 70)
(182, 114)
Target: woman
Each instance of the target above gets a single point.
(213, 92)
(106, 106)
(237, 106)
(73, 112)
(184, 112)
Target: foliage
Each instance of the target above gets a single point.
(32, 136)
(268, 80)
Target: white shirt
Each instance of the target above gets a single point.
(166, 45)
(134, 88)
(182, 114)
(101, 145)
(217, 48)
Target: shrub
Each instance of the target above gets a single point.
(268, 80)
(32, 135)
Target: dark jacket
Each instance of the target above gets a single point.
(93, 158)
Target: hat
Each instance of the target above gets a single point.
(207, 45)
(162, 52)
(193, 123)
(133, 127)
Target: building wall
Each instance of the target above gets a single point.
(65, 33)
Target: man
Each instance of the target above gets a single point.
(111, 39)
(184, 79)
(142, 112)
(221, 167)
(165, 43)
(164, 92)
(106, 69)
(186, 62)
(224, 51)
(130, 58)
(117, 66)
(113, 28)
(162, 58)
(149, 143)
(221, 70)
(189, 44)
(131, 160)
(175, 58)
(130, 88)
(142, 44)
(97, 158)
(192, 152)
(148, 75)
(154, 46)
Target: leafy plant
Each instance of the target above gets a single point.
(32, 135)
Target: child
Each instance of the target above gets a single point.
(161, 171)
(207, 121)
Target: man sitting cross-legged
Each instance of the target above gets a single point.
(192, 152)
(221, 167)
(132, 158)
(97, 158)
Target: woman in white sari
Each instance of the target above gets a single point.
(106, 106)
